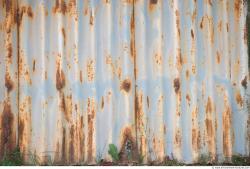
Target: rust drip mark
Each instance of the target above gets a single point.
(196, 137)
(132, 38)
(30, 12)
(72, 144)
(34, 65)
(187, 74)
(220, 26)
(128, 146)
(64, 36)
(66, 106)
(202, 23)
(126, 85)
(176, 85)
(64, 148)
(227, 27)
(239, 99)
(60, 79)
(7, 4)
(60, 7)
(9, 84)
(192, 34)
(218, 57)
(91, 128)
(82, 139)
(244, 82)
(226, 132)
(209, 127)
(177, 14)
(7, 127)
(21, 126)
(91, 19)
(179, 59)
(9, 51)
(237, 9)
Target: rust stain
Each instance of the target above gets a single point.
(64, 36)
(128, 146)
(218, 56)
(91, 128)
(237, 9)
(188, 99)
(177, 14)
(72, 144)
(66, 106)
(226, 132)
(239, 99)
(102, 104)
(30, 12)
(34, 65)
(90, 70)
(209, 128)
(192, 33)
(244, 82)
(64, 146)
(60, 7)
(152, 4)
(202, 23)
(132, 39)
(177, 138)
(196, 137)
(220, 26)
(126, 85)
(81, 78)
(187, 74)
(91, 19)
(9, 51)
(148, 101)
(9, 84)
(8, 142)
(176, 85)
(60, 79)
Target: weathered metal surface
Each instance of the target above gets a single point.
(156, 78)
(8, 77)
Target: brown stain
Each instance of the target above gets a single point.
(23, 10)
(192, 33)
(34, 65)
(60, 7)
(9, 84)
(9, 51)
(66, 106)
(64, 36)
(188, 99)
(177, 14)
(187, 74)
(91, 19)
(91, 128)
(220, 26)
(132, 39)
(196, 137)
(244, 82)
(239, 99)
(60, 79)
(176, 85)
(126, 85)
(82, 139)
(30, 12)
(226, 132)
(202, 22)
(179, 59)
(8, 142)
(218, 56)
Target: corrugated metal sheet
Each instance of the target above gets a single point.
(168, 78)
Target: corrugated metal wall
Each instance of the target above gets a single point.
(156, 78)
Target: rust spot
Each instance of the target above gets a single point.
(177, 14)
(34, 65)
(153, 1)
(152, 4)
(192, 33)
(227, 27)
(60, 7)
(239, 99)
(9, 51)
(188, 99)
(244, 82)
(126, 85)
(176, 85)
(9, 84)
(60, 79)
(64, 36)
(7, 128)
(218, 57)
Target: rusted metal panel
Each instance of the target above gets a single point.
(156, 78)
(8, 77)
